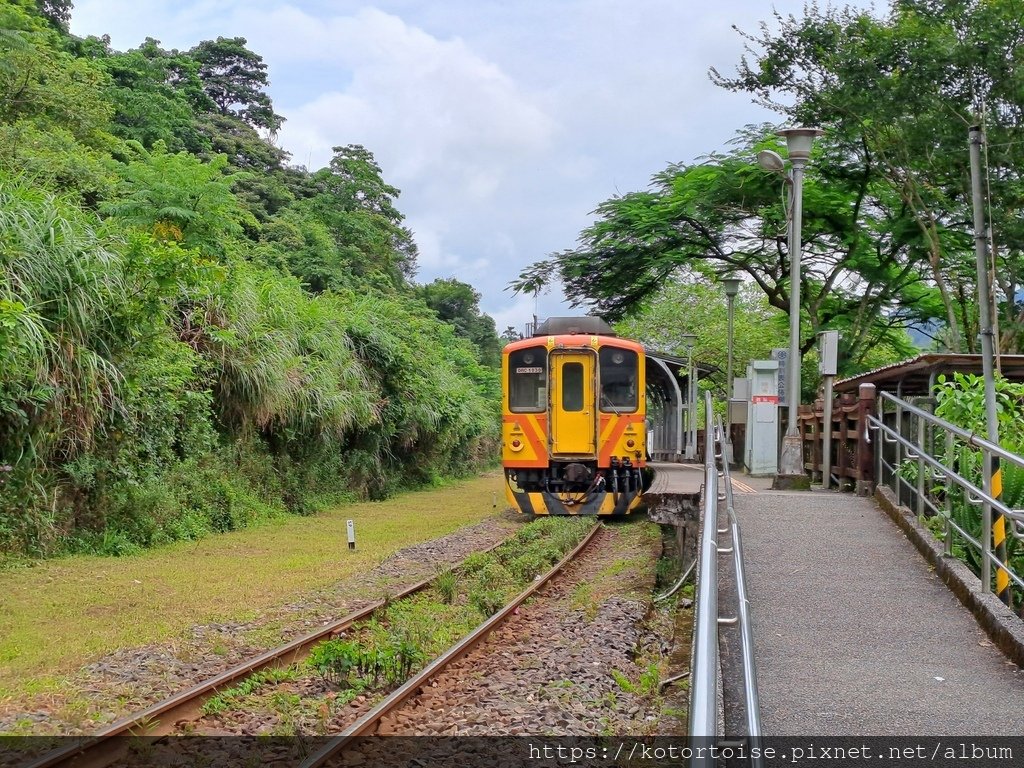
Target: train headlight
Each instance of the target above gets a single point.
(631, 444)
(618, 357)
(528, 358)
(516, 445)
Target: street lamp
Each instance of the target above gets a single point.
(798, 141)
(688, 340)
(732, 287)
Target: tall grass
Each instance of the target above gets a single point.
(149, 395)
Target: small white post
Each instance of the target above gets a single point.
(351, 534)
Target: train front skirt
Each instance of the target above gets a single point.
(594, 503)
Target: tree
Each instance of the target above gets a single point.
(156, 94)
(510, 334)
(178, 198)
(722, 215)
(355, 203)
(57, 12)
(898, 94)
(162, 375)
(699, 307)
(458, 304)
(42, 83)
(245, 149)
(235, 78)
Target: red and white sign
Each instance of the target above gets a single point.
(773, 399)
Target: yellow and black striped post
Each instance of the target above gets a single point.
(999, 533)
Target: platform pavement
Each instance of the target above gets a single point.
(673, 477)
(688, 477)
(854, 635)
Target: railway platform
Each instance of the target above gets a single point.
(853, 632)
(671, 477)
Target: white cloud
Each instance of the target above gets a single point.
(429, 105)
(448, 127)
(503, 123)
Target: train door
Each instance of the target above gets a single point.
(573, 416)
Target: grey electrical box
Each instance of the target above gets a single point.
(762, 442)
(828, 353)
(739, 402)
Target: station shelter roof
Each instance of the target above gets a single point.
(916, 376)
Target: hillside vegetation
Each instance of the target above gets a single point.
(195, 335)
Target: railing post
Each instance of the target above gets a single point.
(898, 455)
(986, 523)
(880, 442)
(919, 505)
(949, 462)
(865, 407)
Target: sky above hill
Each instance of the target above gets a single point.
(503, 122)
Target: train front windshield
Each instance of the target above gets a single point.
(528, 380)
(618, 372)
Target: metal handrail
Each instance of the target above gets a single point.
(972, 438)
(931, 471)
(705, 657)
(752, 698)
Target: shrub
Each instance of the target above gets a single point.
(446, 584)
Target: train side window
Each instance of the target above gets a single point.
(528, 380)
(618, 371)
(572, 387)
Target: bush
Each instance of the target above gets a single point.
(486, 601)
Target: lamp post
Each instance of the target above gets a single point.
(732, 287)
(688, 340)
(799, 142)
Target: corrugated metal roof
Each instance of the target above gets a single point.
(914, 376)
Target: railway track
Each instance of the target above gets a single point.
(370, 722)
(110, 746)
(105, 747)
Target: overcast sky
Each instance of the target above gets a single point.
(503, 122)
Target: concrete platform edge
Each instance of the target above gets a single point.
(1004, 628)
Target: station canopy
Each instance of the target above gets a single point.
(916, 377)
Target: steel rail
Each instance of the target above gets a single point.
(369, 722)
(159, 719)
(104, 748)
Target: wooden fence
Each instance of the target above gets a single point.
(852, 457)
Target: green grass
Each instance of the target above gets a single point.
(228, 698)
(60, 614)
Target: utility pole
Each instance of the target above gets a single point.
(993, 524)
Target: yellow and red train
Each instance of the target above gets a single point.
(573, 420)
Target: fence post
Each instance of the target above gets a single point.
(843, 460)
(865, 408)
